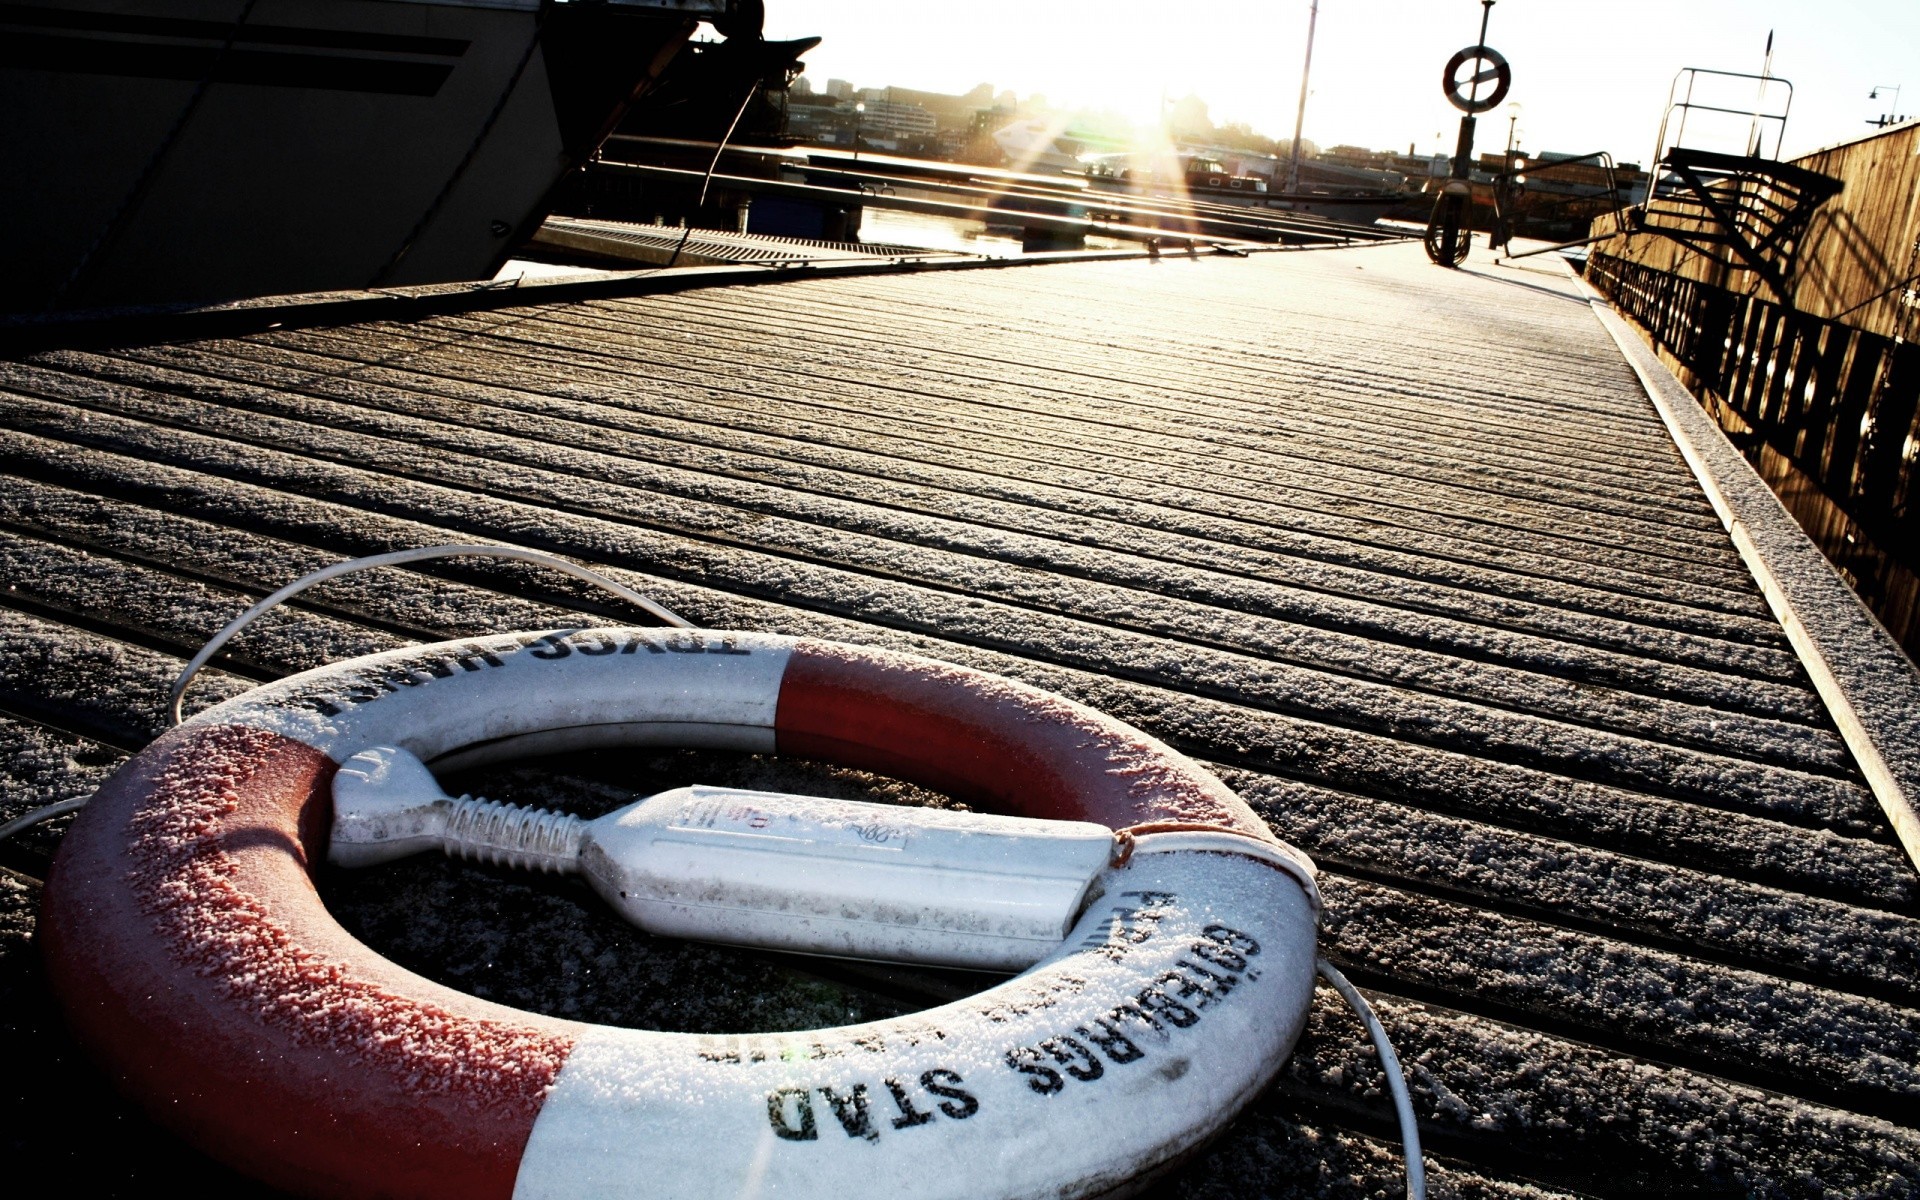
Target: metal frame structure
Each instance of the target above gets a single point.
(1687, 105)
(1743, 211)
(1506, 188)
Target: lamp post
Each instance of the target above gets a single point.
(1507, 186)
(859, 118)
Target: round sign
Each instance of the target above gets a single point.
(1463, 89)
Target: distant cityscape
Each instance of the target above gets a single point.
(997, 128)
(961, 127)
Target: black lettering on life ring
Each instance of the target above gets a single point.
(956, 1103)
(909, 1115)
(1041, 996)
(1080, 1062)
(1129, 926)
(553, 646)
(801, 1128)
(1219, 956)
(1114, 1044)
(1217, 985)
(1194, 993)
(1041, 1078)
(852, 1111)
(1157, 1003)
(790, 1110)
(1233, 939)
(441, 666)
(404, 673)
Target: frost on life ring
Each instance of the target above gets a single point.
(193, 957)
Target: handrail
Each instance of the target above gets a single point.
(1687, 105)
(1503, 190)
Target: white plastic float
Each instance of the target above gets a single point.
(193, 956)
(800, 873)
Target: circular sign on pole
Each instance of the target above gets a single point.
(1485, 64)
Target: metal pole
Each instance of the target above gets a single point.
(1455, 205)
(1506, 193)
(1300, 115)
(1463, 151)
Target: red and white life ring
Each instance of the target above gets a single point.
(193, 956)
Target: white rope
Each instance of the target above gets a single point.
(48, 813)
(396, 558)
(1396, 1079)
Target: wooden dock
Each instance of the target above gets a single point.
(1407, 555)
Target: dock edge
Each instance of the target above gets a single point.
(1869, 686)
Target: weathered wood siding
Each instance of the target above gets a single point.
(1857, 259)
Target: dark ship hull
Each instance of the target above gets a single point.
(167, 152)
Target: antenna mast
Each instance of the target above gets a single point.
(1760, 101)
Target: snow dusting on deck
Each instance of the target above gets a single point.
(1405, 555)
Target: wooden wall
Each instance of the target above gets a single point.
(1858, 257)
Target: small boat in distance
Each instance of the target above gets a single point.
(170, 152)
(1035, 145)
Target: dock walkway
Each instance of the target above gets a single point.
(1407, 555)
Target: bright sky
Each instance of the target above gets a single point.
(1589, 76)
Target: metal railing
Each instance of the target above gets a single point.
(1681, 103)
(1522, 211)
(1840, 404)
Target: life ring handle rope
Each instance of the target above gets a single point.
(398, 558)
(1396, 1076)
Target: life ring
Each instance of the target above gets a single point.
(1463, 92)
(193, 957)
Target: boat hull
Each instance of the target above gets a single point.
(169, 152)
